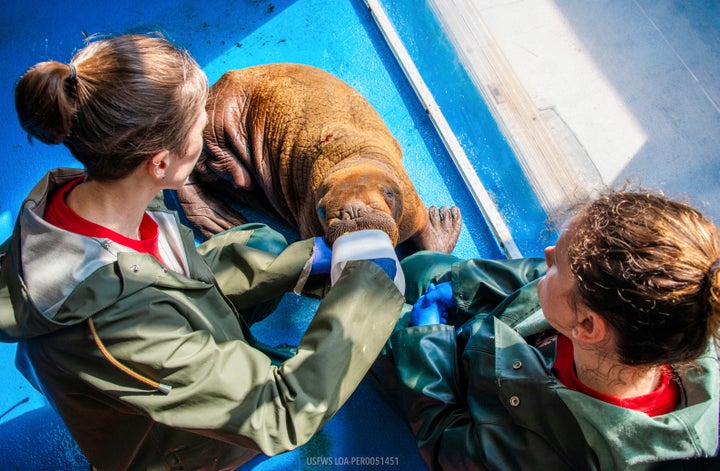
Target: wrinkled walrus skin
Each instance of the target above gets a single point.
(302, 143)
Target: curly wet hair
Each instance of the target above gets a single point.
(649, 265)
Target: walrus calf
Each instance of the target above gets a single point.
(297, 141)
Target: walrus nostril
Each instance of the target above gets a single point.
(352, 212)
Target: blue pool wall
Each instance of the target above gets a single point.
(470, 119)
(340, 37)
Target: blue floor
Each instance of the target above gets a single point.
(340, 37)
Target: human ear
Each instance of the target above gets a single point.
(591, 328)
(158, 164)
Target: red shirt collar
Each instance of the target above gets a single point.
(661, 401)
(59, 214)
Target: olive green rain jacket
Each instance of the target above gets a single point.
(481, 395)
(166, 376)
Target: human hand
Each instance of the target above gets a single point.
(321, 257)
(442, 294)
(433, 306)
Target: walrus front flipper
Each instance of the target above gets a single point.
(207, 214)
(442, 230)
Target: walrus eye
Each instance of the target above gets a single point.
(321, 213)
(389, 196)
(393, 202)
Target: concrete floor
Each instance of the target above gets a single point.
(592, 93)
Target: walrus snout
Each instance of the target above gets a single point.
(351, 201)
(357, 219)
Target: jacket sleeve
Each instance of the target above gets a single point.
(505, 289)
(431, 394)
(224, 388)
(436, 403)
(246, 269)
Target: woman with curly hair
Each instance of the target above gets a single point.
(600, 356)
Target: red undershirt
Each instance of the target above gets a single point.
(661, 401)
(59, 214)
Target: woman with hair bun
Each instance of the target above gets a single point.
(138, 338)
(600, 356)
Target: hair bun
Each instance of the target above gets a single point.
(45, 101)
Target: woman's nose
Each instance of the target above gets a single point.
(549, 255)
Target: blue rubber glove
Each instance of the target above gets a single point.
(321, 257)
(432, 307)
(442, 294)
(387, 264)
(426, 312)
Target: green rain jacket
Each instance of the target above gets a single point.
(227, 400)
(482, 396)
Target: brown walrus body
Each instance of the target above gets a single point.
(312, 150)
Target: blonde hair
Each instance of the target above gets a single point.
(119, 101)
(649, 265)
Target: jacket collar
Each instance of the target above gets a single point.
(45, 290)
(620, 437)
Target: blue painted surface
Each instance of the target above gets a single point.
(471, 121)
(339, 37)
